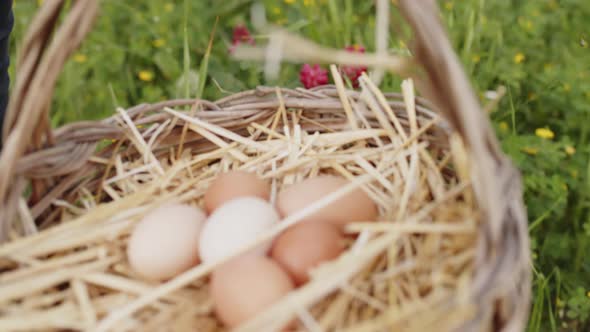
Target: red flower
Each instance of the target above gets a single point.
(241, 34)
(312, 76)
(353, 72)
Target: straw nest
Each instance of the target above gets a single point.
(416, 259)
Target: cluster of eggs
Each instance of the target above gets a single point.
(175, 237)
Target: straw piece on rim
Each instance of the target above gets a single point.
(343, 97)
(272, 133)
(374, 107)
(141, 144)
(383, 102)
(217, 130)
(410, 102)
(156, 134)
(219, 142)
(282, 110)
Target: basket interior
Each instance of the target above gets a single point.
(70, 271)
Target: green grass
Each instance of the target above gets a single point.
(537, 49)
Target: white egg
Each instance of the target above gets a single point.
(165, 242)
(234, 225)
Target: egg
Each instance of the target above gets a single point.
(234, 225)
(166, 241)
(354, 206)
(244, 287)
(234, 184)
(304, 246)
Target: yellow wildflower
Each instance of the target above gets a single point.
(159, 42)
(559, 302)
(545, 133)
(80, 58)
(588, 294)
(570, 150)
(531, 151)
(308, 3)
(475, 58)
(276, 10)
(289, 2)
(146, 75)
(449, 5)
(519, 57)
(566, 87)
(503, 126)
(169, 6)
(528, 24)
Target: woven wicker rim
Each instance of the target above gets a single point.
(53, 159)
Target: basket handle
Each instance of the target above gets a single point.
(39, 65)
(446, 85)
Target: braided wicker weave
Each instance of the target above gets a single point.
(54, 162)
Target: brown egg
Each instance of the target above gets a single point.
(304, 246)
(234, 184)
(354, 206)
(244, 287)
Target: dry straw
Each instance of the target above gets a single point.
(449, 251)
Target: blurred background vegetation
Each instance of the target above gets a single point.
(538, 50)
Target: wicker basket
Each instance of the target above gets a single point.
(53, 165)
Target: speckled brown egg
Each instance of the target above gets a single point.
(235, 184)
